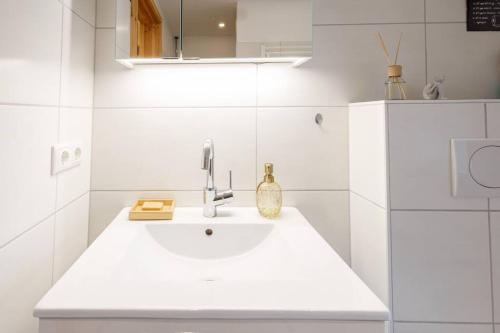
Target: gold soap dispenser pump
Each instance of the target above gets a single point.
(269, 197)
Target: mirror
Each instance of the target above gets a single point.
(213, 30)
(148, 28)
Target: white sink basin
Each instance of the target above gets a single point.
(213, 241)
(248, 268)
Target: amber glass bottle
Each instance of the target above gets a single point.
(269, 198)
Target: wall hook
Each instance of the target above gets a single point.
(318, 119)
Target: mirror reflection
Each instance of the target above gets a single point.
(148, 28)
(247, 28)
(207, 29)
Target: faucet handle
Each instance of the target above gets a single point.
(230, 179)
(205, 157)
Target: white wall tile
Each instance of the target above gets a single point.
(106, 16)
(84, 8)
(442, 328)
(160, 149)
(495, 250)
(40, 59)
(306, 156)
(75, 126)
(328, 213)
(169, 86)
(28, 190)
(493, 116)
(446, 10)
(31, 52)
(450, 52)
(347, 66)
(441, 266)
(71, 234)
(368, 153)
(77, 76)
(26, 274)
(369, 245)
(368, 11)
(420, 153)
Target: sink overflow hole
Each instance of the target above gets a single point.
(209, 232)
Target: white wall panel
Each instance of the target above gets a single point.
(441, 267)
(420, 136)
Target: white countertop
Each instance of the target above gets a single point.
(424, 101)
(292, 274)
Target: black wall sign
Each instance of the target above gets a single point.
(483, 15)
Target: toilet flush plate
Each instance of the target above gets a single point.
(475, 167)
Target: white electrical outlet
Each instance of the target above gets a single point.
(66, 156)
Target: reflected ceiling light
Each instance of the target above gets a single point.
(222, 25)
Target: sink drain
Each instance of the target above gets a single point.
(209, 232)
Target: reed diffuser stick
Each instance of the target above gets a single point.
(397, 52)
(384, 48)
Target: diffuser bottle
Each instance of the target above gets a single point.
(269, 198)
(395, 86)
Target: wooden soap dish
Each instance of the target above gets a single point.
(152, 209)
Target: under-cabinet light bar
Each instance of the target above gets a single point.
(131, 62)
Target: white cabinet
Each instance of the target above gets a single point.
(423, 250)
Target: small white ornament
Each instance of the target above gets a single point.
(432, 90)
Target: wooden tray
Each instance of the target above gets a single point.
(152, 209)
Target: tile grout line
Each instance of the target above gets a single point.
(146, 108)
(492, 285)
(77, 14)
(338, 106)
(236, 190)
(484, 323)
(385, 23)
(256, 125)
(58, 139)
(92, 126)
(19, 235)
(390, 273)
(44, 219)
(441, 210)
(220, 107)
(486, 121)
(365, 198)
(46, 105)
(30, 105)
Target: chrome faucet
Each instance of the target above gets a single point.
(211, 197)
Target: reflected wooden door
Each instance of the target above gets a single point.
(146, 29)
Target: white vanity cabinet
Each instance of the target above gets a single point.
(410, 236)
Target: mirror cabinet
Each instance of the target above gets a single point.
(176, 31)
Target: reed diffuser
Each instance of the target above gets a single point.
(394, 85)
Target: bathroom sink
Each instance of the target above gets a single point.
(237, 266)
(213, 241)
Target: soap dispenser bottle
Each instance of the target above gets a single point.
(269, 198)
